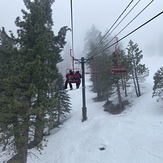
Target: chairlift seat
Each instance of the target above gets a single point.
(74, 78)
(118, 71)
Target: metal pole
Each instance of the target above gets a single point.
(84, 109)
(72, 28)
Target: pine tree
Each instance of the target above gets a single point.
(118, 79)
(31, 78)
(137, 70)
(13, 99)
(63, 105)
(99, 68)
(91, 39)
(158, 85)
(123, 60)
(104, 77)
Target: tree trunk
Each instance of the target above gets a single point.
(122, 81)
(22, 152)
(97, 87)
(38, 135)
(125, 87)
(136, 77)
(21, 141)
(39, 124)
(119, 96)
(59, 110)
(133, 77)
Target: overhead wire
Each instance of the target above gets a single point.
(121, 21)
(112, 26)
(105, 47)
(123, 18)
(104, 37)
(72, 28)
(134, 30)
(130, 22)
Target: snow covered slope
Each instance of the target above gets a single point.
(135, 136)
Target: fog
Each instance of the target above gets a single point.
(101, 13)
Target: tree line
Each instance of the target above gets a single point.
(106, 84)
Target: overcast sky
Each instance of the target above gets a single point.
(101, 13)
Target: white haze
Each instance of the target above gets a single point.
(102, 14)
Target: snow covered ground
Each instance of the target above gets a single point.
(134, 136)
